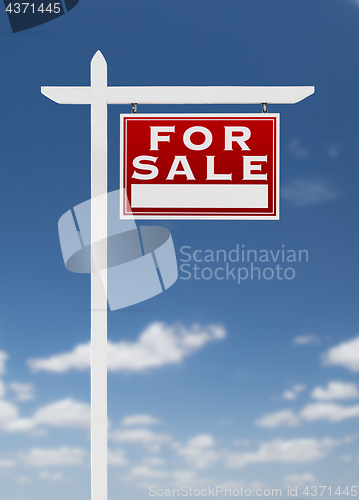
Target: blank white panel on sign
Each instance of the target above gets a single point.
(199, 195)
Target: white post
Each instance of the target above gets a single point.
(96, 96)
(98, 292)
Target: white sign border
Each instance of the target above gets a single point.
(200, 217)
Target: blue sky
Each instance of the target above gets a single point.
(258, 383)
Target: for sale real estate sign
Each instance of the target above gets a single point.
(200, 166)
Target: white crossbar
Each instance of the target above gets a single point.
(182, 95)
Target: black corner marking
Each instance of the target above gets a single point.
(70, 4)
(23, 16)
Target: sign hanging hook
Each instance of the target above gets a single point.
(264, 106)
(134, 107)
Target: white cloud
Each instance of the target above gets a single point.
(140, 419)
(116, 457)
(154, 461)
(336, 390)
(350, 439)
(55, 476)
(23, 392)
(333, 151)
(199, 451)
(225, 421)
(315, 411)
(289, 395)
(297, 149)
(146, 476)
(345, 354)
(23, 480)
(64, 413)
(38, 432)
(305, 340)
(181, 477)
(145, 437)
(145, 472)
(293, 393)
(46, 457)
(5, 463)
(305, 193)
(2, 389)
(78, 359)
(158, 345)
(300, 479)
(292, 451)
(329, 411)
(8, 413)
(279, 419)
(3, 358)
(242, 442)
(20, 425)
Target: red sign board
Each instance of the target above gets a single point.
(200, 166)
